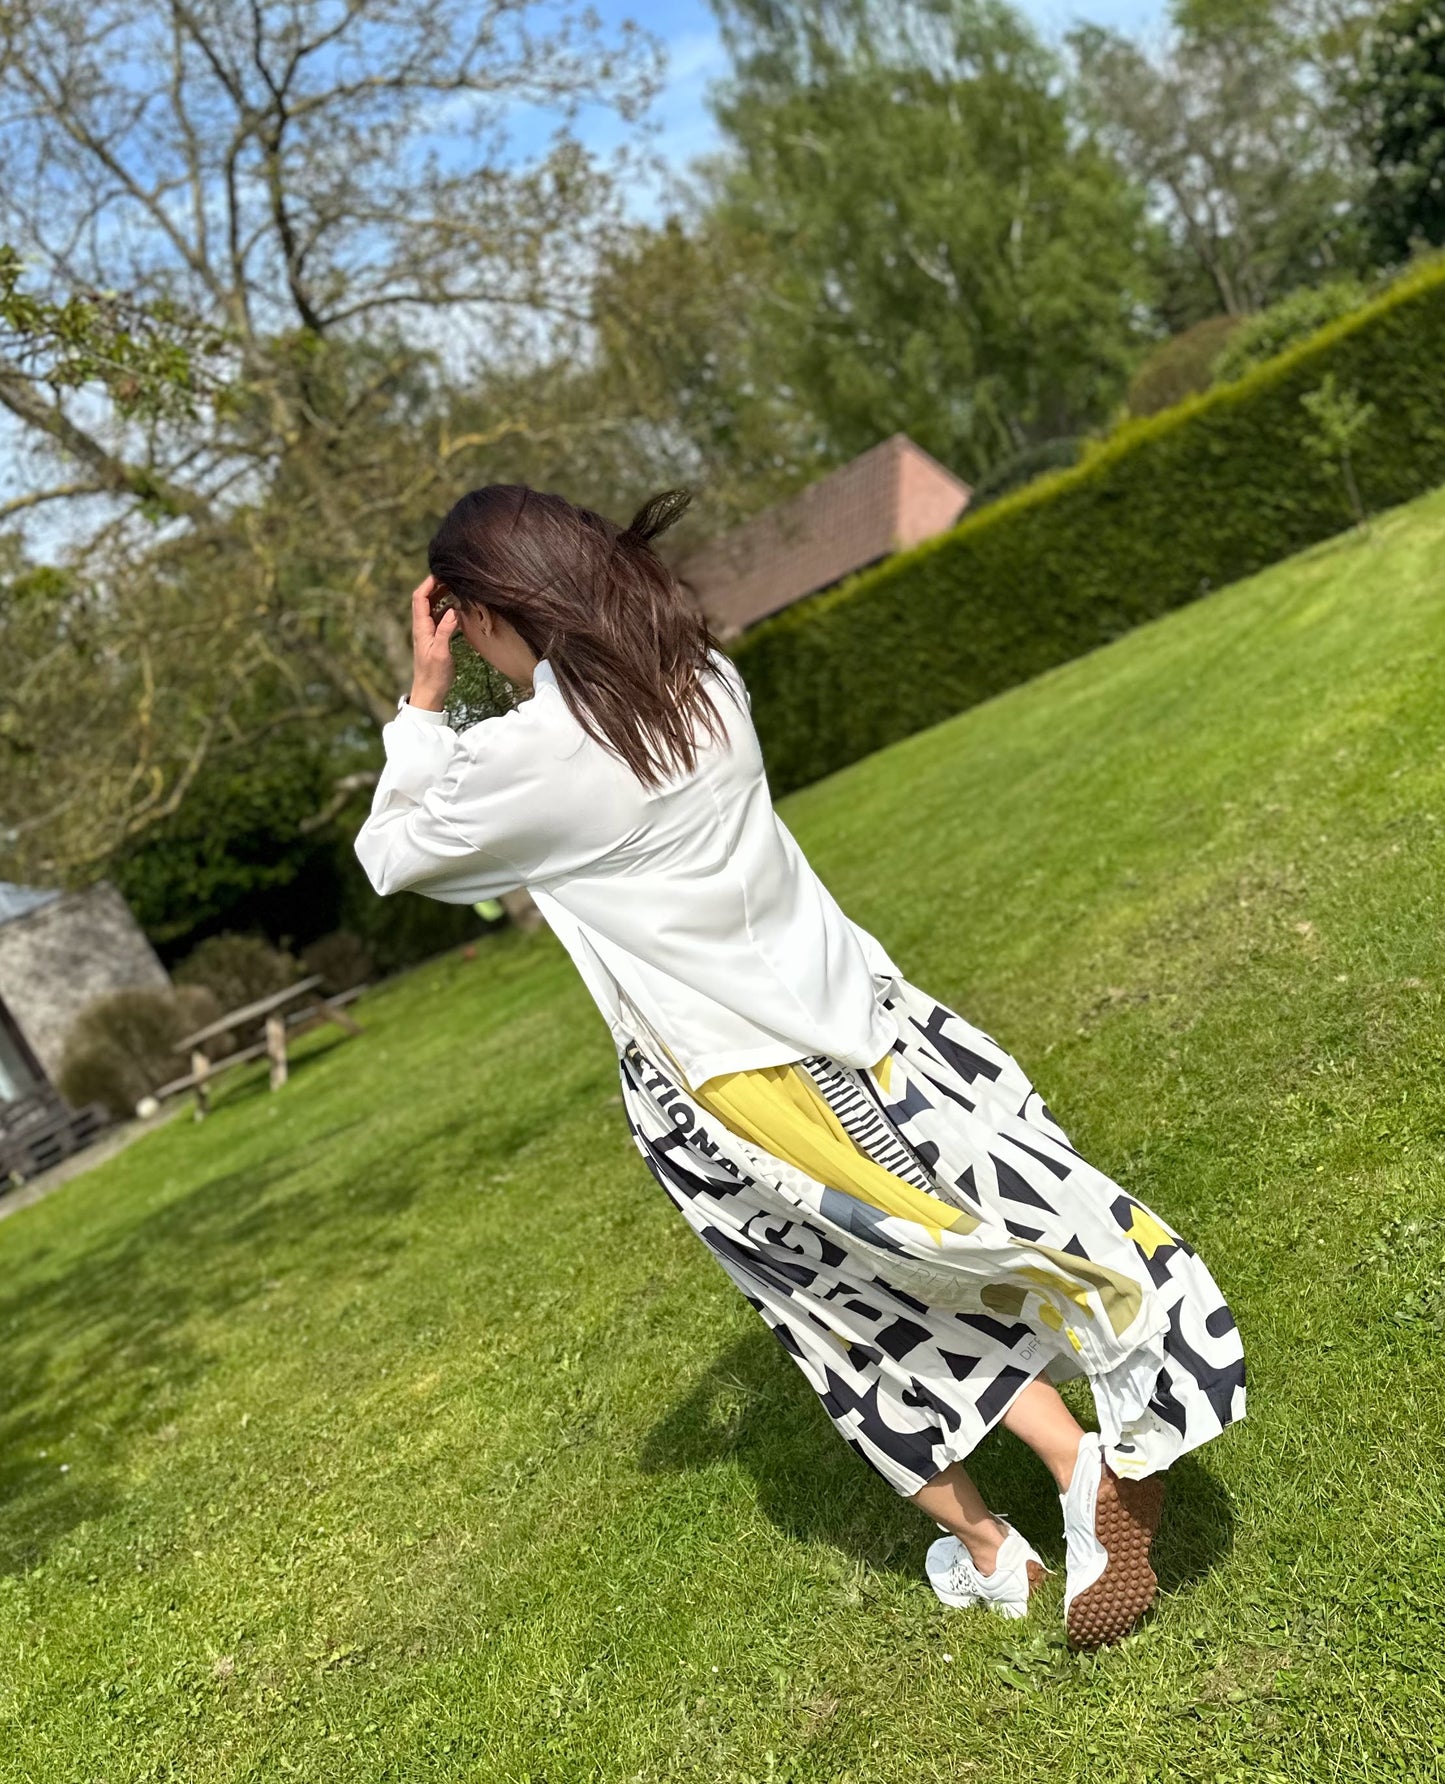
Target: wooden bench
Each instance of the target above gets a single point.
(278, 1021)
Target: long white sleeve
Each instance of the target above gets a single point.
(412, 841)
(687, 900)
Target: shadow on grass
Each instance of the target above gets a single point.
(251, 1084)
(103, 1347)
(108, 1336)
(107, 1340)
(752, 1408)
(96, 1343)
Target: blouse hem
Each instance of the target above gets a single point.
(696, 1072)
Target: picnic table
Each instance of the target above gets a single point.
(278, 1020)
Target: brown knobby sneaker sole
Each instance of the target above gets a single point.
(1126, 1516)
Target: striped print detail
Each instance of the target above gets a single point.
(865, 1124)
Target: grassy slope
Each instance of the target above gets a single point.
(408, 1434)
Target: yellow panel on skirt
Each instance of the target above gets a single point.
(781, 1109)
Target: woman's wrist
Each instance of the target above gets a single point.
(429, 699)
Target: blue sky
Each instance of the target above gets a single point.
(695, 57)
(682, 126)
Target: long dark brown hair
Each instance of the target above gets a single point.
(627, 645)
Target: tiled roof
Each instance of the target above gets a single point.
(893, 496)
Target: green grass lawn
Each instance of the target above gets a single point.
(395, 1428)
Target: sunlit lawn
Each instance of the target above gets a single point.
(395, 1428)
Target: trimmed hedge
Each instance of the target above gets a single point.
(1168, 509)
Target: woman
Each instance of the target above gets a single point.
(877, 1176)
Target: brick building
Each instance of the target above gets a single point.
(892, 496)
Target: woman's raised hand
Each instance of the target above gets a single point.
(431, 656)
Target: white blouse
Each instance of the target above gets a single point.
(692, 901)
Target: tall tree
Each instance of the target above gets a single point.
(950, 255)
(1239, 129)
(1402, 102)
(689, 352)
(329, 187)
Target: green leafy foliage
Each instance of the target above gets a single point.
(1166, 510)
(1237, 124)
(1023, 467)
(1339, 420)
(1295, 318)
(479, 691)
(405, 928)
(1180, 367)
(238, 835)
(341, 958)
(1401, 97)
(951, 257)
(238, 969)
(693, 350)
(154, 360)
(123, 1046)
(243, 855)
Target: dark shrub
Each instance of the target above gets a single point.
(1180, 367)
(342, 959)
(239, 969)
(123, 1046)
(1013, 473)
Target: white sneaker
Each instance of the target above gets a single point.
(1109, 1525)
(1005, 1591)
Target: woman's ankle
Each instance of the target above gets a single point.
(983, 1542)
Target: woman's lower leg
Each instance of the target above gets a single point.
(951, 1499)
(1039, 1418)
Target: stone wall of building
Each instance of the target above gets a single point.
(59, 958)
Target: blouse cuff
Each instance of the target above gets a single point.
(421, 713)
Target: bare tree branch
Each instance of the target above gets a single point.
(37, 498)
(348, 785)
(321, 184)
(114, 475)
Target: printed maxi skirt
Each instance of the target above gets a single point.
(918, 1322)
